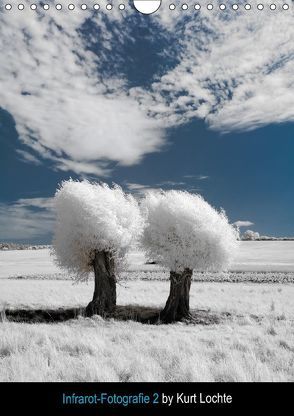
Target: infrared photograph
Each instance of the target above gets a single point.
(146, 197)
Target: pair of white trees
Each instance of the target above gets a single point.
(97, 224)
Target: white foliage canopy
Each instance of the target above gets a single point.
(93, 217)
(183, 231)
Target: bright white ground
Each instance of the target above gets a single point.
(254, 343)
(252, 256)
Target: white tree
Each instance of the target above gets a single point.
(95, 225)
(250, 235)
(184, 233)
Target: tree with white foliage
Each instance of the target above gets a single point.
(184, 233)
(94, 227)
(250, 235)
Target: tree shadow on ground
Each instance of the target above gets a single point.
(142, 314)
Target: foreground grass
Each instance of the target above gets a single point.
(238, 298)
(86, 349)
(253, 342)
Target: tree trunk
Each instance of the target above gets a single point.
(177, 305)
(104, 299)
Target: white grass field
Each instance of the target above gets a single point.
(264, 256)
(250, 338)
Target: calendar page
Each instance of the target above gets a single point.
(146, 198)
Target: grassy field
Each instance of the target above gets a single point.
(253, 256)
(245, 331)
(241, 349)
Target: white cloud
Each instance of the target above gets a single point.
(171, 183)
(27, 157)
(141, 189)
(197, 177)
(26, 219)
(63, 107)
(137, 188)
(235, 70)
(242, 223)
(40, 203)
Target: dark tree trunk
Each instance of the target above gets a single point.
(177, 305)
(104, 299)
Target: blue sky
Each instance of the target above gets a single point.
(147, 103)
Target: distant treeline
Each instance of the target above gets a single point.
(276, 238)
(250, 235)
(265, 238)
(18, 246)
